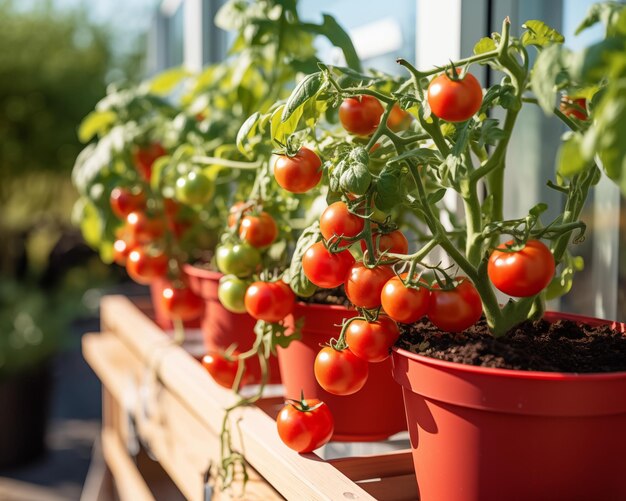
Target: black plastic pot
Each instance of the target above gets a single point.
(24, 403)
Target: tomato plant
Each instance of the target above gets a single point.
(231, 293)
(179, 302)
(299, 173)
(394, 242)
(240, 259)
(364, 284)
(258, 230)
(222, 369)
(360, 115)
(340, 372)
(269, 301)
(144, 157)
(145, 264)
(456, 309)
(405, 304)
(305, 425)
(574, 107)
(524, 272)
(338, 221)
(372, 341)
(121, 250)
(194, 188)
(324, 268)
(126, 200)
(144, 228)
(455, 100)
(399, 119)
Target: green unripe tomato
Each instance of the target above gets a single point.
(194, 188)
(231, 293)
(237, 259)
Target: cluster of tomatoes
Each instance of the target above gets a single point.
(140, 240)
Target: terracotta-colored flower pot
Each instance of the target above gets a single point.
(160, 316)
(493, 434)
(222, 328)
(373, 413)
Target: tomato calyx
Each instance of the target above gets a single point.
(302, 405)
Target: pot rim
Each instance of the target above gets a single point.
(521, 374)
(321, 306)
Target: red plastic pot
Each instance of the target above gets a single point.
(222, 328)
(160, 316)
(373, 413)
(492, 434)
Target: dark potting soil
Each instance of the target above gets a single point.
(562, 346)
(336, 296)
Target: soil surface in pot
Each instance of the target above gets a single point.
(336, 296)
(562, 346)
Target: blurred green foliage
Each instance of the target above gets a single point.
(53, 69)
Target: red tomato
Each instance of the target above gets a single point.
(404, 304)
(398, 119)
(269, 301)
(181, 303)
(457, 309)
(144, 265)
(121, 250)
(222, 369)
(372, 341)
(360, 115)
(144, 228)
(521, 273)
(455, 100)
(305, 426)
(340, 372)
(337, 220)
(300, 173)
(145, 157)
(364, 285)
(574, 107)
(123, 201)
(259, 231)
(394, 242)
(235, 211)
(324, 269)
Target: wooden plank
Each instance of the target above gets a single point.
(128, 481)
(183, 444)
(397, 488)
(375, 466)
(294, 476)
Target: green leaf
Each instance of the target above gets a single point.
(281, 129)
(97, 122)
(538, 209)
(165, 82)
(611, 14)
(598, 61)
(246, 131)
(570, 159)
(298, 281)
(307, 89)
(338, 37)
(483, 45)
(421, 155)
(436, 196)
(348, 77)
(610, 117)
(545, 76)
(91, 224)
(489, 133)
(540, 34)
(391, 187)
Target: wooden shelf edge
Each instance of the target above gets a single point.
(129, 483)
